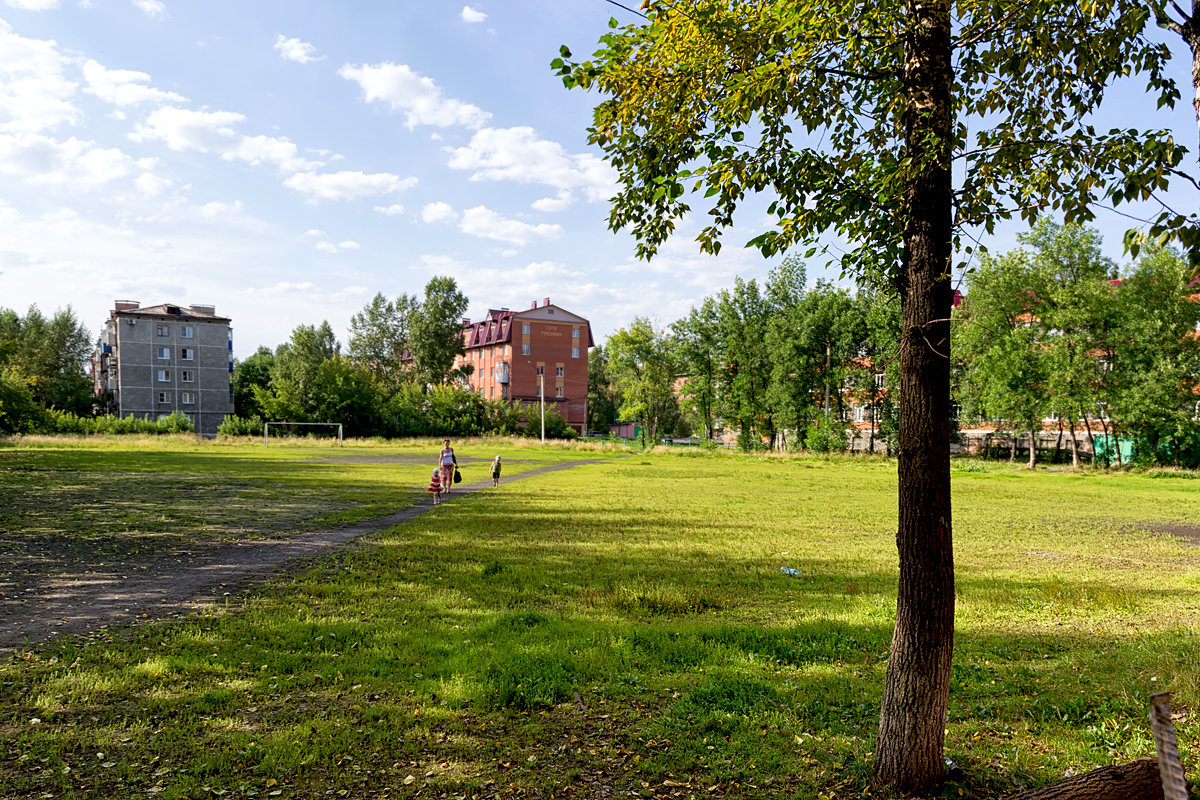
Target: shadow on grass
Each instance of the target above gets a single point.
(502, 648)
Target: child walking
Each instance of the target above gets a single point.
(496, 472)
(435, 486)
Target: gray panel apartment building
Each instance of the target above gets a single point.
(153, 361)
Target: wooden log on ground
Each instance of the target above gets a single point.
(1137, 780)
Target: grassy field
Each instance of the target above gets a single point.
(617, 629)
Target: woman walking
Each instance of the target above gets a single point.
(448, 462)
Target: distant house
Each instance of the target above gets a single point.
(151, 362)
(509, 350)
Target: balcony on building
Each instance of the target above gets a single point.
(502, 372)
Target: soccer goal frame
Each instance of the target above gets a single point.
(267, 429)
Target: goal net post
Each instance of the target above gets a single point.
(291, 425)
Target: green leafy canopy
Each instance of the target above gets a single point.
(711, 100)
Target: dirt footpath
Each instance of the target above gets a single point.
(82, 603)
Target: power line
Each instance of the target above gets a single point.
(626, 8)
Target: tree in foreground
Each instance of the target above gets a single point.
(855, 119)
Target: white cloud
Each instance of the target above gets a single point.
(390, 211)
(314, 232)
(295, 50)
(471, 15)
(418, 96)
(152, 185)
(305, 288)
(438, 212)
(215, 209)
(560, 202)
(273, 150)
(517, 154)
(346, 185)
(183, 129)
(33, 5)
(152, 8)
(213, 132)
(285, 287)
(330, 247)
(487, 224)
(123, 87)
(35, 94)
(73, 163)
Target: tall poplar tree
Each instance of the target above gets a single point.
(856, 119)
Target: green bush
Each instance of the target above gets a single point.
(826, 437)
(56, 421)
(19, 412)
(233, 425)
(556, 426)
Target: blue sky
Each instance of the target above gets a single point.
(285, 161)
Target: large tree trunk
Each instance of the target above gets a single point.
(1137, 780)
(1032, 448)
(917, 685)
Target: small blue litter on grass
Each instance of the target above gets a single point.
(790, 571)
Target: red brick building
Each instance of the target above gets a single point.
(508, 350)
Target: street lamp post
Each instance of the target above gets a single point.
(541, 376)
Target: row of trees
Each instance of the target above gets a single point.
(776, 363)
(397, 376)
(1054, 331)
(1050, 335)
(42, 367)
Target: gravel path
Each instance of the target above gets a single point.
(82, 604)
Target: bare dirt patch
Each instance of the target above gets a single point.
(68, 585)
(1181, 530)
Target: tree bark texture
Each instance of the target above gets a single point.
(1137, 780)
(917, 685)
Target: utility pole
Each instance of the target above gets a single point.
(542, 398)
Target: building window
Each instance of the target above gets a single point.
(525, 328)
(541, 370)
(186, 331)
(558, 372)
(558, 391)
(164, 397)
(164, 353)
(187, 353)
(187, 375)
(505, 349)
(164, 375)
(524, 349)
(574, 333)
(574, 352)
(162, 330)
(880, 380)
(187, 398)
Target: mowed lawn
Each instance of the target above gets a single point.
(625, 629)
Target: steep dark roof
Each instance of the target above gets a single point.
(495, 328)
